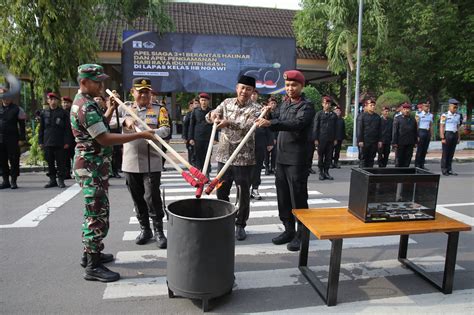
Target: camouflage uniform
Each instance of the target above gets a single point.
(91, 169)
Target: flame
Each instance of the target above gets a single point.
(219, 184)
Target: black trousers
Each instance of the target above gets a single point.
(403, 155)
(291, 183)
(325, 148)
(10, 153)
(382, 155)
(117, 158)
(422, 148)
(191, 155)
(55, 157)
(257, 170)
(241, 175)
(200, 150)
(312, 147)
(146, 195)
(448, 150)
(367, 154)
(270, 159)
(68, 159)
(336, 152)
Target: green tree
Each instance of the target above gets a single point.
(314, 96)
(391, 99)
(330, 27)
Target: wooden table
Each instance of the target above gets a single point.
(335, 224)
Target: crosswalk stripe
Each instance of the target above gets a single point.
(455, 215)
(259, 279)
(262, 194)
(142, 256)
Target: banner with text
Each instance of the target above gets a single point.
(205, 63)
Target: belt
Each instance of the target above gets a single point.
(423, 129)
(451, 131)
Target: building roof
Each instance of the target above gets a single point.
(213, 19)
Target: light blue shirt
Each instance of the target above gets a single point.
(451, 121)
(424, 120)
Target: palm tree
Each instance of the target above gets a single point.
(330, 27)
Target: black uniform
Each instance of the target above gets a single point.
(384, 150)
(54, 133)
(190, 148)
(294, 123)
(200, 131)
(69, 152)
(368, 132)
(12, 130)
(263, 138)
(405, 137)
(340, 136)
(270, 156)
(324, 131)
(117, 152)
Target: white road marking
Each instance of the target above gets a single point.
(34, 217)
(455, 215)
(142, 256)
(260, 279)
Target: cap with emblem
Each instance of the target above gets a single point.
(141, 83)
(204, 95)
(453, 101)
(294, 75)
(91, 71)
(53, 95)
(246, 80)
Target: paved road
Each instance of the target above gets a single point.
(40, 246)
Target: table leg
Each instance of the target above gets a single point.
(403, 247)
(304, 246)
(334, 270)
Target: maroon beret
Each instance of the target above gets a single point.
(327, 98)
(294, 75)
(67, 99)
(53, 95)
(385, 108)
(406, 105)
(204, 95)
(338, 107)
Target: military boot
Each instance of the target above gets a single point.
(52, 183)
(104, 258)
(326, 174)
(146, 234)
(13, 183)
(321, 174)
(286, 236)
(5, 183)
(161, 240)
(95, 271)
(295, 243)
(61, 183)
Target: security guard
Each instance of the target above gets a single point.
(200, 131)
(324, 133)
(185, 134)
(91, 168)
(450, 136)
(404, 136)
(270, 156)
(387, 126)
(293, 119)
(12, 136)
(142, 164)
(340, 136)
(66, 103)
(54, 137)
(369, 135)
(425, 120)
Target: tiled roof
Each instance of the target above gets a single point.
(209, 19)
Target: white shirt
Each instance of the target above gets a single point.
(451, 121)
(424, 120)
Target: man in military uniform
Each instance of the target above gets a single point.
(185, 135)
(12, 136)
(91, 167)
(235, 117)
(340, 136)
(66, 103)
(200, 131)
(387, 126)
(270, 156)
(425, 121)
(369, 135)
(450, 136)
(54, 138)
(324, 133)
(142, 164)
(404, 136)
(293, 119)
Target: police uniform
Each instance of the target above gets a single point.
(340, 136)
(451, 121)
(12, 130)
(425, 119)
(405, 136)
(368, 132)
(54, 133)
(142, 166)
(384, 151)
(325, 133)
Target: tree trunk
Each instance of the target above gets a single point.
(342, 94)
(348, 90)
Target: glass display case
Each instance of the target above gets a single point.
(393, 194)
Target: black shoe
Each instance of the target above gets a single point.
(333, 165)
(295, 244)
(52, 183)
(13, 183)
(272, 172)
(336, 165)
(326, 174)
(61, 183)
(452, 173)
(445, 173)
(267, 172)
(95, 271)
(311, 171)
(5, 183)
(145, 235)
(240, 234)
(284, 237)
(164, 169)
(255, 195)
(104, 258)
(160, 237)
